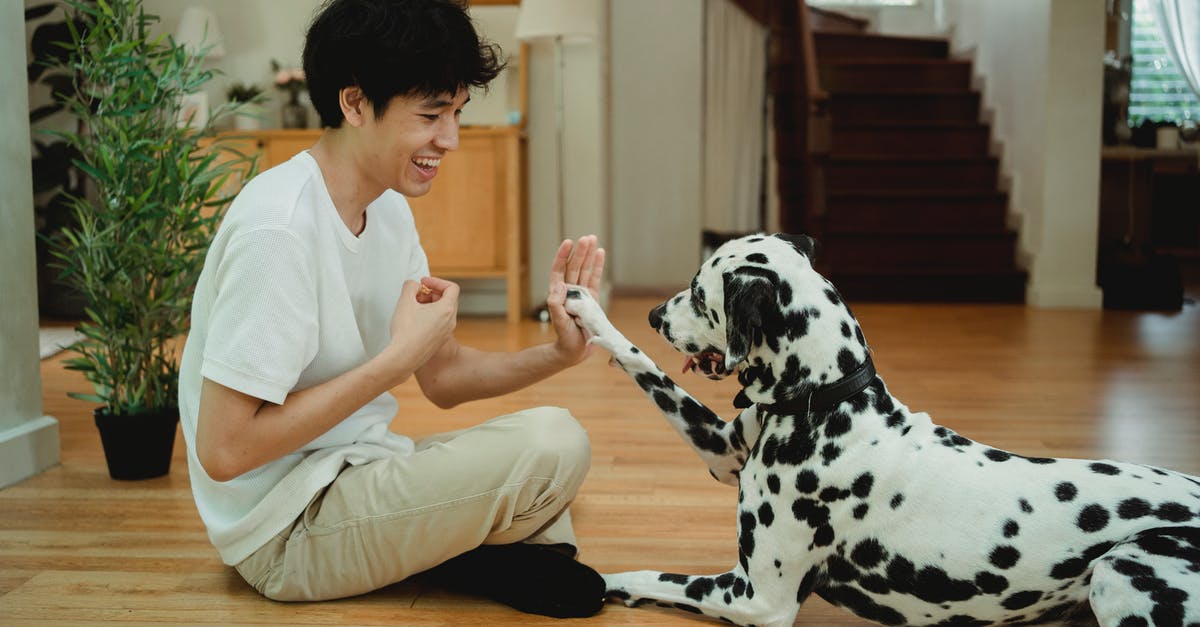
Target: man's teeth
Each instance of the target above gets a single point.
(427, 163)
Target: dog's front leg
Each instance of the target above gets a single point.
(723, 446)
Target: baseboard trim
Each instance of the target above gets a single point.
(28, 449)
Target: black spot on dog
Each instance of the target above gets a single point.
(868, 553)
(1101, 468)
(1092, 518)
(862, 485)
(1025, 506)
(833, 297)
(739, 587)
(846, 332)
(673, 578)
(1065, 491)
(634, 350)
(807, 482)
(897, 499)
(665, 402)
(874, 583)
(756, 258)
(997, 455)
(1011, 528)
(840, 570)
(901, 574)
(862, 605)
(766, 515)
(807, 584)
(687, 608)
(823, 536)
(962, 620)
(699, 588)
(725, 580)
(1004, 556)
(990, 583)
(860, 512)
(773, 483)
(1173, 512)
(847, 363)
(830, 452)
(832, 494)
(1041, 460)
(810, 511)
(837, 425)
(1021, 600)
(1133, 508)
(746, 526)
(934, 585)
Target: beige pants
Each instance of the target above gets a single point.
(507, 480)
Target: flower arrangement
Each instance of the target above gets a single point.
(290, 80)
(242, 92)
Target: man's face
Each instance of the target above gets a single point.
(411, 138)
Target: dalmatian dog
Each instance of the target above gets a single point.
(846, 493)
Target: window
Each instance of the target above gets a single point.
(1157, 91)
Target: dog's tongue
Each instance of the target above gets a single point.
(688, 364)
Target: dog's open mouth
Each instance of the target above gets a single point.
(708, 363)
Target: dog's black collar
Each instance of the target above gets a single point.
(826, 396)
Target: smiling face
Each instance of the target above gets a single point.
(757, 307)
(410, 139)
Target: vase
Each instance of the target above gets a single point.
(293, 114)
(137, 446)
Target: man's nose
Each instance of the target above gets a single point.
(656, 316)
(447, 136)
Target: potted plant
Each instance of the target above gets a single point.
(291, 80)
(140, 235)
(250, 97)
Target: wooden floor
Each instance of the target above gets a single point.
(79, 548)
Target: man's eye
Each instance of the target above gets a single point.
(432, 117)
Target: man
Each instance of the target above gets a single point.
(315, 300)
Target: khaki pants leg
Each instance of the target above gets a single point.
(507, 480)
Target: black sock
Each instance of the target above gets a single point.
(531, 578)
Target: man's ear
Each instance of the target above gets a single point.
(745, 301)
(354, 104)
(803, 244)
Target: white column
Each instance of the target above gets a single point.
(28, 440)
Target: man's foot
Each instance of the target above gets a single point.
(529, 577)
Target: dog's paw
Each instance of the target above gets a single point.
(580, 304)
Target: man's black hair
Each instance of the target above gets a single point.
(393, 48)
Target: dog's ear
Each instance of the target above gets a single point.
(746, 298)
(804, 244)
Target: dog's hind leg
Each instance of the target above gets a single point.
(1151, 579)
(723, 446)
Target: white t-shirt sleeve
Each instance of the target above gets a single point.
(263, 325)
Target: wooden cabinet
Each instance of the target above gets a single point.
(472, 222)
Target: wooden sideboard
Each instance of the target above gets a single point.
(472, 222)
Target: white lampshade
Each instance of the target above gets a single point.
(197, 30)
(572, 20)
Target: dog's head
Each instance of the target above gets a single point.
(757, 307)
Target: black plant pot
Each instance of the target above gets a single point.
(137, 446)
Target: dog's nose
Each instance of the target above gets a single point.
(656, 316)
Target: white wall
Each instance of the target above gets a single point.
(28, 440)
(657, 118)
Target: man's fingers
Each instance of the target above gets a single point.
(582, 250)
(558, 268)
(596, 273)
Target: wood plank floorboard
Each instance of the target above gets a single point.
(79, 548)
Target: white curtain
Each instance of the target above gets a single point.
(1179, 22)
(735, 69)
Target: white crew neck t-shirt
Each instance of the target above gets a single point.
(290, 298)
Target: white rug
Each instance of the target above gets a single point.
(52, 340)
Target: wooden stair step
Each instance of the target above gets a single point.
(832, 46)
(912, 105)
(916, 172)
(889, 253)
(893, 211)
(996, 287)
(862, 74)
(911, 138)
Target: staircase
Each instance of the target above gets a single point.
(913, 211)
